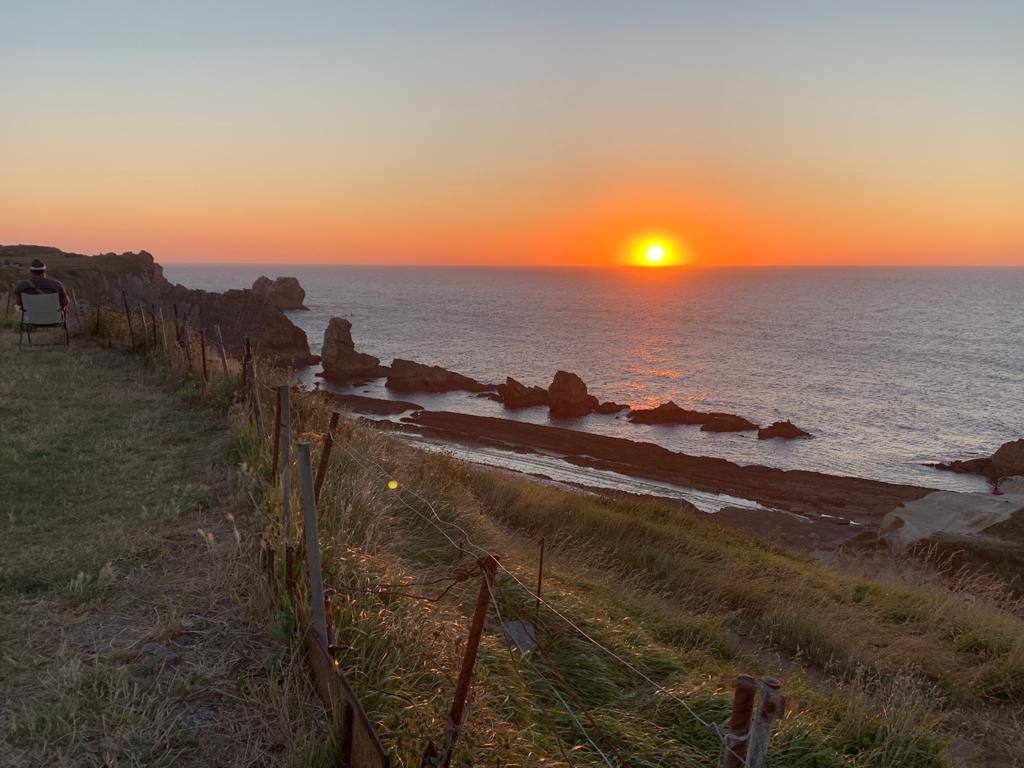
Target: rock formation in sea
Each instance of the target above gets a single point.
(106, 278)
(283, 293)
(786, 430)
(568, 397)
(727, 422)
(1006, 461)
(670, 413)
(608, 407)
(515, 394)
(339, 358)
(410, 376)
(667, 413)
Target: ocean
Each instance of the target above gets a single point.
(889, 369)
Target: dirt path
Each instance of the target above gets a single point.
(130, 631)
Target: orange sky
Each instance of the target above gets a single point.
(517, 137)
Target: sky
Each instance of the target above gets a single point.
(516, 133)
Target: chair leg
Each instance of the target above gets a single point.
(21, 334)
(67, 337)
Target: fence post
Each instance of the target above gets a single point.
(277, 440)
(254, 396)
(246, 357)
(202, 352)
(316, 582)
(771, 707)
(223, 353)
(184, 335)
(325, 456)
(735, 741)
(145, 328)
(540, 579)
(163, 333)
(7, 309)
(78, 311)
(488, 567)
(128, 316)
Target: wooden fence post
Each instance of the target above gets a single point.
(163, 334)
(184, 335)
(325, 456)
(771, 707)
(254, 396)
(145, 328)
(488, 566)
(316, 582)
(78, 311)
(277, 440)
(202, 352)
(735, 752)
(7, 309)
(246, 357)
(223, 352)
(128, 316)
(540, 579)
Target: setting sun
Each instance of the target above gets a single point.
(653, 250)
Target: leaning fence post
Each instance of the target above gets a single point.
(202, 351)
(771, 707)
(223, 353)
(277, 439)
(735, 741)
(246, 357)
(145, 328)
(488, 566)
(325, 456)
(316, 582)
(540, 578)
(163, 333)
(188, 347)
(128, 316)
(254, 396)
(286, 477)
(78, 311)
(7, 309)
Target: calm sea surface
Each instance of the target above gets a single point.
(888, 368)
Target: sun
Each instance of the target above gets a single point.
(653, 249)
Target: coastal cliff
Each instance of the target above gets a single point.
(112, 278)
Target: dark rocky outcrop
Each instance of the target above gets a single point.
(102, 279)
(1007, 460)
(515, 394)
(371, 406)
(666, 413)
(727, 422)
(410, 376)
(713, 421)
(283, 293)
(340, 360)
(786, 430)
(610, 407)
(568, 397)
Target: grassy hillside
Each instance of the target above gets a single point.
(910, 666)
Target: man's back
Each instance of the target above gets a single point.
(42, 284)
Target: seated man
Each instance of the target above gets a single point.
(38, 282)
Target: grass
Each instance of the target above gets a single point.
(879, 672)
(132, 621)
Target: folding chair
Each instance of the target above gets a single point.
(42, 310)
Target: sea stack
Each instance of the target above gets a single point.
(410, 376)
(340, 360)
(568, 397)
(515, 394)
(283, 293)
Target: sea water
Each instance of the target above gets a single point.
(889, 369)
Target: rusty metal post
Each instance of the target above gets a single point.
(316, 582)
(488, 567)
(770, 708)
(325, 455)
(128, 317)
(223, 352)
(735, 752)
(540, 578)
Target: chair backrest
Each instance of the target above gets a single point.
(41, 308)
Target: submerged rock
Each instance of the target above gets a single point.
(568, 397)
(283, 293)
(410, 376)
(515, 394)
(787, 430)
(610, 407)
(339, 357)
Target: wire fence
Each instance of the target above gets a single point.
(201, 356)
